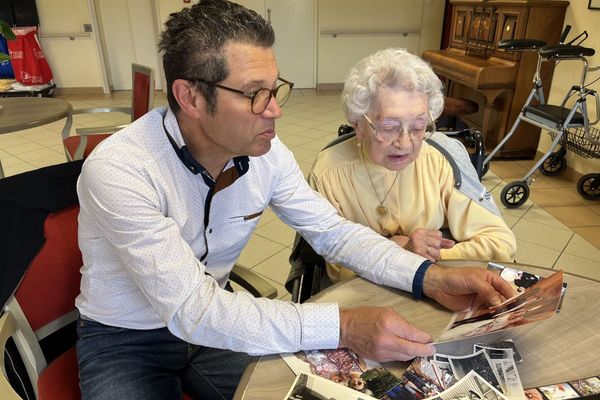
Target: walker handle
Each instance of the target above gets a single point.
(564, 34)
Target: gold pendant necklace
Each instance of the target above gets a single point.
(381, 210)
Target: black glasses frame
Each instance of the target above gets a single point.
(251, 95)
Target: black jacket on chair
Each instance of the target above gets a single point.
(25, 201)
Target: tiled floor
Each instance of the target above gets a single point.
(556, 227)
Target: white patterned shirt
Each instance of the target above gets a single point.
(145, 224)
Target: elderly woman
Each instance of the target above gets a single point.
(388, 177)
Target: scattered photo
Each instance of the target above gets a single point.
(559, 391)
(341, 366)
(421, 377)
(471, 387)
(312, 387)
(510, 379)
(533, 394)
(478, 362)
(444, 372)
(385, 385)
(587, 387)
(502, 344)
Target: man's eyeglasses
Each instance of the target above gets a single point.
(390, 131)
(259, 99)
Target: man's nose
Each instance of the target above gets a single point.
(273, 109)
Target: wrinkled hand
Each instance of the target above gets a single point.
(381, 334)
(424, 242)
(459, 289)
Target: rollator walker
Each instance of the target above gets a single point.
(569, 127)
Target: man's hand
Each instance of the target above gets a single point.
(465, 288)
(424, 242)
(381, 334)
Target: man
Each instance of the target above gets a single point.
(167, 205)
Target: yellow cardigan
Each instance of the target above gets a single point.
(423, 196)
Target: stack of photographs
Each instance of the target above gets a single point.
(441, 374)
(535, 303)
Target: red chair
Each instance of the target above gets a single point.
(80, 145)
(40, 257)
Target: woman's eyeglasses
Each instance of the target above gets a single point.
(390, 131)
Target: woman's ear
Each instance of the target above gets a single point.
(360, 133)
(190, 100)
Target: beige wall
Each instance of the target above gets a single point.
(75, 63)
(568, 73)
(335, 55)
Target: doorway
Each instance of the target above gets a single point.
(128, 32)
(294, 23)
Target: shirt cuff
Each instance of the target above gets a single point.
(417, 285)
(320, 326)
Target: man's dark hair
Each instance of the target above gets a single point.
(193, 43)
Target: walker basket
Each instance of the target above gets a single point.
(575, 140)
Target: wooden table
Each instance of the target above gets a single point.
(18, 113)
(561, 348)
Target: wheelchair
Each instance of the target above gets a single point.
(569, 127)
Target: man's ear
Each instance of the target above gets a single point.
(190, 100)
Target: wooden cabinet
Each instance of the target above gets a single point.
(499, 81)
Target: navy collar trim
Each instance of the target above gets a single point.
(241, 163)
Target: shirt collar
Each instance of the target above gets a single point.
(171, 127)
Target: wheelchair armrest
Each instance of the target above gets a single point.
(521, 44)
(252, 282)
(307, 270)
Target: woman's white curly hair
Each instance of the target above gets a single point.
(393, 67)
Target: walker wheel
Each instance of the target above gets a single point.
(588, 186)
(515, 194)
(553, 164)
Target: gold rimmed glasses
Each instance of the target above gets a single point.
(391, 130)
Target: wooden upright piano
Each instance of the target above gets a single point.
(474, 68)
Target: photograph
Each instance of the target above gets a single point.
(520, 280)
(494, 353)
(382, 384)
(478, 362)
(587, 387)
(444, 372)
(341, 366)
(594, 4)
(502, 344)
(421, 376)
(533, 394)
(559, 391)
(471, 387)
(312, 387)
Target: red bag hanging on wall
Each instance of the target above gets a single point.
(27, 59)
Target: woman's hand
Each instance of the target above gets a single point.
(424, 242)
